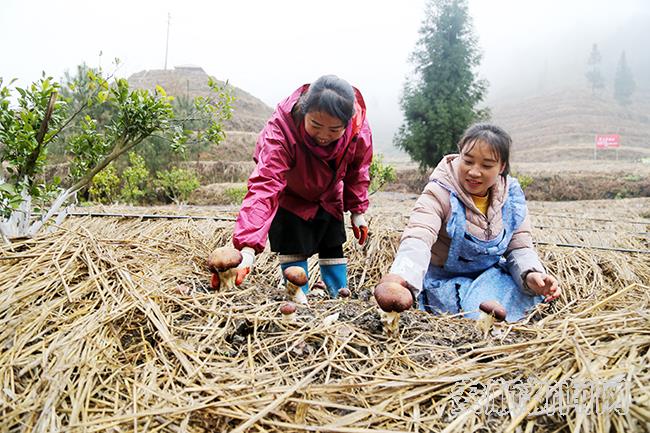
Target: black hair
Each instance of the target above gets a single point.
(497, 138)
(329, 94)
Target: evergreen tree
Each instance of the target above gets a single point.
(593, 74)
(441, 100)
(624, 84)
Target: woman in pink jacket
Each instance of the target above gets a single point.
(313, 159)
(469, 237)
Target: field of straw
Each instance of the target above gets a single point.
(108, 324)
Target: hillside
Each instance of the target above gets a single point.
(250, 113)
(562, 125)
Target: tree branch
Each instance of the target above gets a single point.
(48, 115)
(30, 163)
(120, 148)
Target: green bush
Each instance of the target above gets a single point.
(177, 184)
(624, 193)
(134, 179)
(235, 195)
(105, 185)
(524, 180)
(380, 174)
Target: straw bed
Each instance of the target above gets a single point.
(108, 324)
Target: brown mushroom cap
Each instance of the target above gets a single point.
(344, 292)
(288, 308)
(393, 278)
(392, 296)
(319, 285)
(296, 275)
(493, 308)
(223, 258)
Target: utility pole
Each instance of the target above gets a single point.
(169, 18)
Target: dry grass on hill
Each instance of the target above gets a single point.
(108, 325)
(561, 126)
(238, 146)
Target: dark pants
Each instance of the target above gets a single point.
(291, 235)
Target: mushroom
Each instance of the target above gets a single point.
(288, 310)
(318, 290)
(393, 298)
(296, 278)
(183, 289)
(491, 311)
(344, 292)
(223, 262)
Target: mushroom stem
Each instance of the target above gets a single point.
(296, 294)
(392, 298)
(491, 311)
(484, 323)
(390, 320)
(227, 278)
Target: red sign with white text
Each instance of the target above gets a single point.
(605, 141)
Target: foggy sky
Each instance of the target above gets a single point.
(269, 48)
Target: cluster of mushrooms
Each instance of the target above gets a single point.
(392, 293)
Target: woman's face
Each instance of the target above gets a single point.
(479, 168)
(323, 127)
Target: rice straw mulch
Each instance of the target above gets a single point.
(108, 325)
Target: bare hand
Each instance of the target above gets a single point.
(543, 284)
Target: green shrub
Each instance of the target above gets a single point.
(105, 185)
(624, 193)
(235, 195)
(177, 184)
(134, 179)
(524, 180)
(380, 174)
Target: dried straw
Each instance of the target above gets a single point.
(108, 325)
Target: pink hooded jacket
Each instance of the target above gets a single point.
(289, 175)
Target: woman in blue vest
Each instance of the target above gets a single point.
(469, 236)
